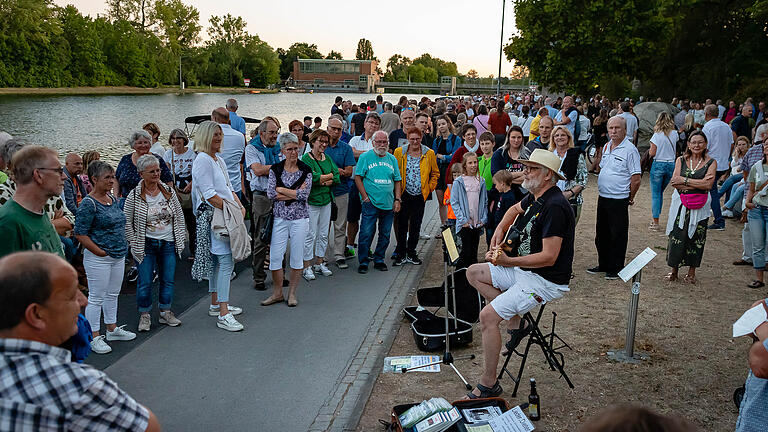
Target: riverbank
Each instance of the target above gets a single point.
(125, 90)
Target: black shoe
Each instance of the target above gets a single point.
(349, 252)
(398, 261)
(611, 276)
(259, 286)
(341, 263)
(413, 259)
(716, 227)
(594, 270)
(362, 268)
(380, 266)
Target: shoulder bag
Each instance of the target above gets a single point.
(185, 199)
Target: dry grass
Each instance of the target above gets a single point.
(694, 366)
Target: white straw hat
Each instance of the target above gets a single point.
(546, 159)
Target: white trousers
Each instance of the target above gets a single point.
(317, 237)
(105, 278)
(284, 231)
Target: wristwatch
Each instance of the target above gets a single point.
(397, 199)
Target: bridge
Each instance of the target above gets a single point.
(448, 86)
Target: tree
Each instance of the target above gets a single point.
(179, 24)
(140, 13)
(442, 67)
(297, 50)
(364, 50)
(519, 72)
(260, 63)
(472, 74)
(397, 68)
(333, 55)
(228, 35)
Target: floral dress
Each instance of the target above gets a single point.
(682, 250)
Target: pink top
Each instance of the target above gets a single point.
(472, 186)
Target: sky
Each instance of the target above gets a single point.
(467, 33)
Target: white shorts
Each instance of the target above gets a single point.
(284, 231)
(521, 290)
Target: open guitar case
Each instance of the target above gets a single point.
(429, 329)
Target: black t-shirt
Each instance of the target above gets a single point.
(554, 219)
(307, 131)
(359, 120)
(740, 125)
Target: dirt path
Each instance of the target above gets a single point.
(694, 367)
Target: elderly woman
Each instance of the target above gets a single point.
(689, 209)
(180, 158)
(325, 175)
(573, 165)
(154, 131)
(155, 230)
(418, 169)
(289, 186)
(663, 150)
(88, 157)
(213, 258)
(127, 175)
(100, 228)
(757, 216)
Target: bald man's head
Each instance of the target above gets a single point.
(220, 115)
(74, 164)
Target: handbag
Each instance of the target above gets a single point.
(265, 235)
(185, 199)
(694, 201)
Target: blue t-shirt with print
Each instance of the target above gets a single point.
(379, 175)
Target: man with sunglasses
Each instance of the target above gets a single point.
(23, 223)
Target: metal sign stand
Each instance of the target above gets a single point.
(633, 270)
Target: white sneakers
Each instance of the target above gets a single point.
(308, 274)
(322, 268)
(99, 343)
(120, 334)
(228, 323)
(99, 346)
(168, 318)
(214, 310)
(728, 213)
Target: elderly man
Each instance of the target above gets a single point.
(360, 144)
(719, 148)
(232, 149)
(235, 120)
(24, 223)
(398, 137)
(617, 185)
(342, 155)
(568, 116)
(630, 120)
(512, 286)
(40, 387)
(74, 189)
(259, 157)
(377, 178)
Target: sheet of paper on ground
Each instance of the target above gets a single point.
(397, 364)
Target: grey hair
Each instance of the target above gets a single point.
(146, 161)
(287, 137)
(97, 169)
(263, 125)
(619, 119)
(711, 110)
(10, 147)
(4, 136)
(138, 134)
(377, 132)
(231, 104)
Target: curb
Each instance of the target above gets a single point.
(343, 409)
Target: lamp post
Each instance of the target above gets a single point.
(501, 44)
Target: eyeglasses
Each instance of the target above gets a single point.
(292, 149)
(59, 170)
(530, 168)
(154, 171)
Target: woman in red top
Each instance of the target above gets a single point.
(498, 123)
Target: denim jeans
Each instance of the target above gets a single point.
(758, 227)
(219, 279)
(728, 184)
(159, 255)
(370, 216)
(737, 193)
(661, 174)
(717, 213)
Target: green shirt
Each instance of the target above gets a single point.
(21, 230)
(485, 171)
(379, 174)
(3, 177)
(321, 195)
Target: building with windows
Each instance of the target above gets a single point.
(322, 74)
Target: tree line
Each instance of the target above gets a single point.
(690, 48)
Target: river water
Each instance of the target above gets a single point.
(104, 123)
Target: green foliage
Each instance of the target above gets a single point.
(140, 44)
(364, 50)
(333, 55)
(297, 50)
(424, 68)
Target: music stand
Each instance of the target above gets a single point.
(450, 257)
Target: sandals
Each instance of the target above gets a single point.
(756, 284)
(272, 300)
(292, 302)
(653, 227)
(486, 392)
(690, 279)
(516, 336)
(670, 277)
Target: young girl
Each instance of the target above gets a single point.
(502, 182)
(733, 186)
(469, 200)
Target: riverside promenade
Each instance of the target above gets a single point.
(309, 368)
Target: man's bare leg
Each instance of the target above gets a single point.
(479, 276)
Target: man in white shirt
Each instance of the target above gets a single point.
(360, 144)
(617, 185)
(232, 149)
(719, 147)
(631, 121)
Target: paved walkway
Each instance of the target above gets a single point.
(306, 368)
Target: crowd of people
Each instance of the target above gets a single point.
(311, 200)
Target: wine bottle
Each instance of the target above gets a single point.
(534, 409)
